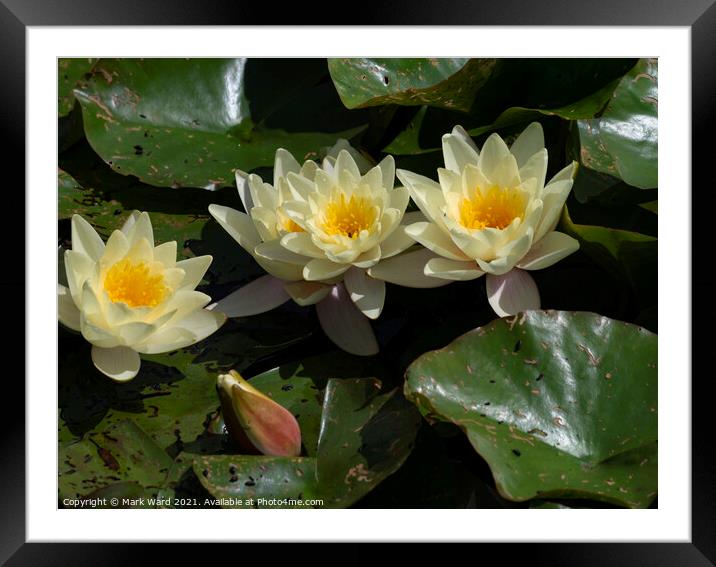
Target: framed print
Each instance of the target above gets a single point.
(395, 286)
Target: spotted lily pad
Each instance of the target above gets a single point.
(442, 82)
(121, 453)
(623, 141)
(559, 404)
(365, 435)
(193, 122)
(69, 73)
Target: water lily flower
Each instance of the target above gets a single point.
(316, 231)
(491, 213)
(129, 297)
(255, 421)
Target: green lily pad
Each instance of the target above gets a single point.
(524, 91)
(408, 141)
(123, 452)
(365, 436)
(193, 122)
(258, 481)
(626, 254)
(559, 404)
(173, 398)
(442, 82)
(106, 200)
(623, 141)
(69, 73)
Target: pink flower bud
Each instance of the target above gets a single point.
(256, 422)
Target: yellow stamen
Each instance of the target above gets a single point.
(496, 209)
(348, 217)
(133, 284)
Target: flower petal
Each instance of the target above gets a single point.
(512, 292)
(96, 335)
(363, 164)
(426, 193)
(119, 363)
(194, 270)
(142, 229)
(242, 186)
(116, 248)
(399, 198)
(259, 296)
(366, 292)
(284, 163)
(135, 333)
(528, 143)
(307, 293)
(346, 163)
(429, 235)
(535, 166)
(398, 241)
(344, 324)
(77, 267)
(238, 225)
(262, 194)
(494, 153)
(85, 239)
(387, 169)
(129, 223)
(511, 254)
(550, 250)
(565, 174)
(407, 270)
(301, 243)
(274, 251)
(452, 269)
(193, 328)
(458, 152)
(67, 311)
(368, 258)
(166, 253)
(317, 270)
(281, 270)
(553, 198)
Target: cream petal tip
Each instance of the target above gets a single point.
(119, 363)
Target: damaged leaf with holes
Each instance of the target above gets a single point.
(194, 122)
(559, 404)
(365, 434)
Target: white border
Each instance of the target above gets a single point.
(671, 522)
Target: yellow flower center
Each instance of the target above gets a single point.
(134, 284)
(348, 217)
(287, 224)
(495, 209)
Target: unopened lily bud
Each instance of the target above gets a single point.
(256, 422)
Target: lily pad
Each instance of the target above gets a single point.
(106, 202)
(559, 404)
(193, 122)
(123, 452)
(623, 141)
(69, 73)
(408, 141)
(173, 398)
(524, 91)
(626, 254)
(365, 436)
(441, 82)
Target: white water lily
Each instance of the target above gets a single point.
(315, 231)
(491, 213)
(129, 297)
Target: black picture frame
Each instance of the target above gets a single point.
(699, 15)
